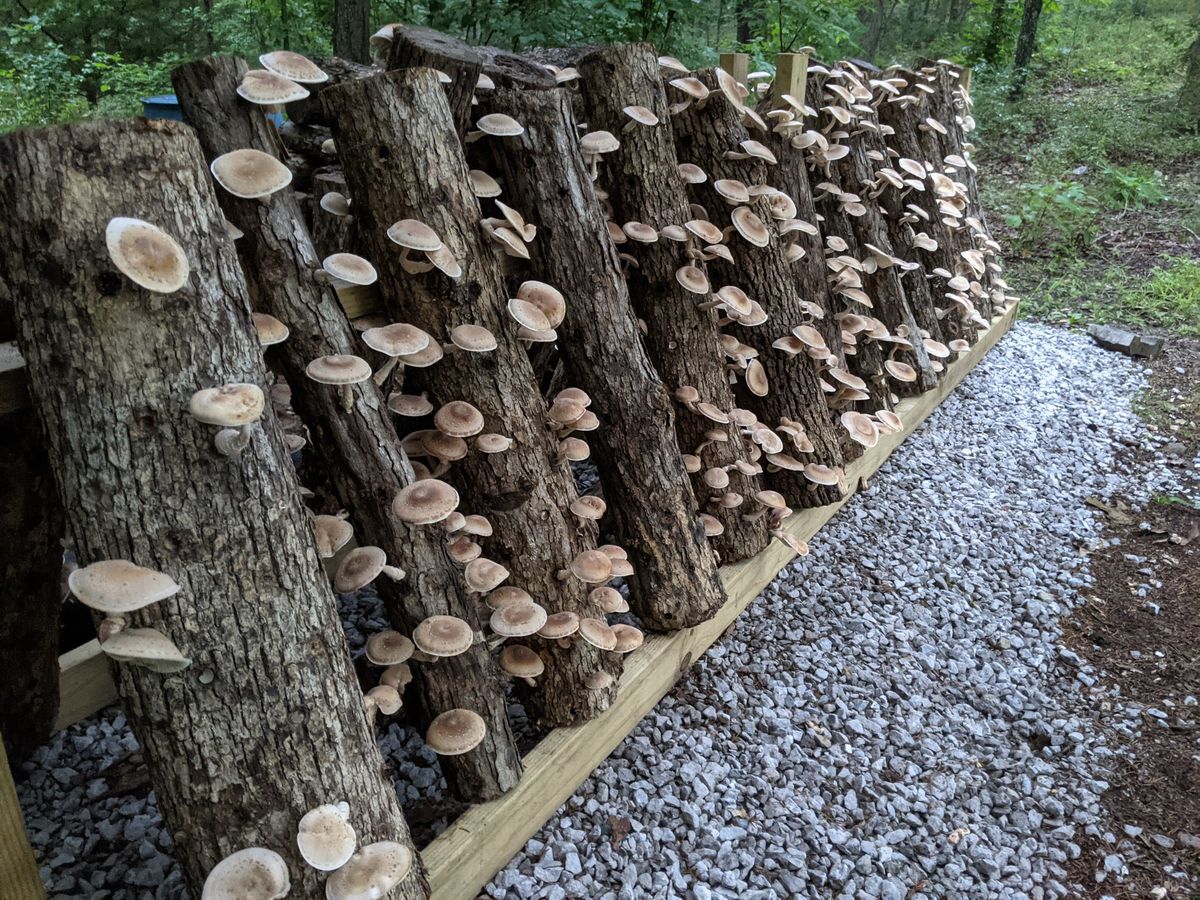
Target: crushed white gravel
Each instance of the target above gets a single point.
(893, 717)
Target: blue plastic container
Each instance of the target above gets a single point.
(166, 106)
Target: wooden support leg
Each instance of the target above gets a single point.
(19, 876)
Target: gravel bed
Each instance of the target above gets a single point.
(892, 718)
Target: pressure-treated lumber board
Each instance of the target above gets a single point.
(19, 875)
(484, 838)
(736, 64)
(84, 684)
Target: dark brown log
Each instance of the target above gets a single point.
(359, 451)
(330, 233)
(309, 111)
(681, 339)
(415, 47)
(402, 160)
(31, 562)
(675, 582)
(704, 134)
(351, 29)
(268, 721)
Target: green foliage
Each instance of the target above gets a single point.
(1059, 216)
(1130, 187)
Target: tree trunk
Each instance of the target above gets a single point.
(675, 582)
(1189, 94)
(1031, 11)
(267, 722)
(402, 160)
(704, 133)
(991, 46)
(31, 581)
(358, 451)
(331, 233)
(309, 111)
(681, 339)
(352, 29)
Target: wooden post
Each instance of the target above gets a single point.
(402, 161)
(736, 64)
(18, 869)
(705, 135)
(791, 74)
(267, 721)
(675, 583)
(359, 452)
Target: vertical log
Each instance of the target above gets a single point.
(675, 583)
(402, 161)
(351, 29)
(30, 585)
(706, 134)
(359, 451)
(643, 185)
(267, 721)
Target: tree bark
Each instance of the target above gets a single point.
(1189, 94)
(1031, 12)
(331, 233)
(402, 160)
(704, 133)
(31, 563)
(352, 29)
(991, 46)
(358, 451)
(675, 582)
(309, 111)
(267, 722)
(681, 339)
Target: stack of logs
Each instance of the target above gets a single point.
(715, 301)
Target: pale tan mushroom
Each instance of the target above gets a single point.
(341, 370)
(325, 837)
(146, 254)
(425, 502)
(442, 636)
(360, 567)
(455, 732)
(254, 873)
(250, 174)
(371, 872)
(388, 648)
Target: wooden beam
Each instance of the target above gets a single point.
(358, 299)
(791, 75)
(737, 65)
(484, 838)
(85, 684)
(19, 876)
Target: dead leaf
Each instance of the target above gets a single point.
(1184, 540)
(957, 835)
(620, 828)
(1117, 511)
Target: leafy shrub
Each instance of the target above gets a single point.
(1058, 216)
(1135, 187)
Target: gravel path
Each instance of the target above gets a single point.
(891, 718)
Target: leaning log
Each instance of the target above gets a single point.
(267, 721)
(675, 583)
(358, 451)
(681, 338)
(402, 160)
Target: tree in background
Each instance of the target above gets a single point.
(1189, 96)
(1026, 41)
(352, 29)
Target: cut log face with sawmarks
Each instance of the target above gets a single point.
(358, 450)
(129, 299)
(407, 174)
(674, 582)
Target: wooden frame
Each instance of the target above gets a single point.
(485, 837)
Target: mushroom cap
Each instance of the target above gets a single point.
(756, 379)
(412, 405)
(518, 618)
(592, 566)
(493, 443)
(145, 647)
(589, 507)
(575, 449)
(146, 255)
(477, 525)
(458, 418)
(383, 698)
(371, 872)
(609, 599)
(262, 86)
(809, 336)
(545, 297)
(693, 87)
(732, 190)
(640, 232)
(254, 873)
(499, 125)
(693, 279)
(413, 234)
(597, 142)
(250, 173)
(442, 446)
(890, 420)
(397, 676)
(484, 575)
(454, 732)
(901, 371)
(269, 329)
(361, 566)
(388, 648)
(350, 268)
(628, 638)
(712, 525)
(425, 502)
(507, 593)
(230, 405)
(462, 549)
(443, 636)
(597, 633)
(750, 226)
(473, 338)
(705, 230)
(521, 661)
(325, 837)
(820, 474)
(117, 586)
(335, 203)
(641, 114)
(771, 499)
(559, 625)
(483, 184)
(423, 359)
(598, 680)
(860, 428)
(332, 534)
(528, 315)
(291, 65)
(339, 368)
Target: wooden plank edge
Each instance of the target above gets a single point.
(482, 840)
(85, 684)
(19, 875)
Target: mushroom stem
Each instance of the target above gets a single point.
(386, 369)
(347, 397)
(531, 682)
(110, 626)
(394, 573)
(320, 276)
(495, 641)
(232, 441)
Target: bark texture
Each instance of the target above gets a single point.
(643, 185)
(358, 451)
(267, 722)
(704, 134)
(352, 29)
(402, 160)
(675, 582)
(30, 581)
(310, 111)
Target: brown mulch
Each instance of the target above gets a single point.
(1149, 646)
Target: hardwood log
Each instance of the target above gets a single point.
(309, 110)
(267, 721)
(681, 339)
(707, 134)
(403, 161)
(359, 451)
(675, 583)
